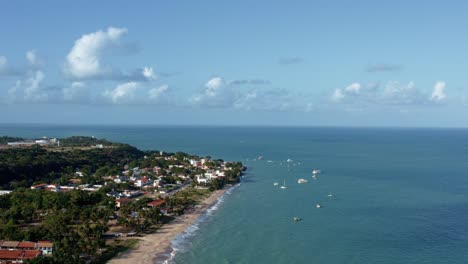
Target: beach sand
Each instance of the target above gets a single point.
(156, 247)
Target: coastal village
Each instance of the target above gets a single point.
(145, 193)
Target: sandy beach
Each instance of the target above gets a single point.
(157, 246)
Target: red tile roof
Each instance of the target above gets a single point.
(26, 244)
(155, 203)
(45, 244)
(18, 254)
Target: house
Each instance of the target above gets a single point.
(17, 256)
(9, 245)
(46, 247)
(142, 182)
(2, 192)
(120, 179)
(39, 186)
(121, 201)
(26, 245)
(202, 179)
(156, 203)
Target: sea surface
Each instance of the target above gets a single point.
(399, 195)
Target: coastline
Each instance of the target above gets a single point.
(156, 247)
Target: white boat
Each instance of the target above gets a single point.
(276, 183)
(314, 177)
(318, 206)
(301, 181)
(289, 160)
(297, 219)
(330, 195)
(284, 185)
(315, 171)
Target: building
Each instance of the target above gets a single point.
(121, 201)
(17, 256)
(2, 192)
(156, 203)
(46, 247)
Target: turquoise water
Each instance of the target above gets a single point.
(399, 195)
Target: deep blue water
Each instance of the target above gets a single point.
(399, 195)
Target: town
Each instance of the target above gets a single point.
(96, 191)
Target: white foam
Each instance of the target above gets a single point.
(181, 242)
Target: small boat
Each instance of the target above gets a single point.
(318, 206)
(297, 219)
(330, 195)
(276, 183)
(302, 181)
(314, 177)
(259, 157)
(289, 160)
(315, 171)
(284, 185)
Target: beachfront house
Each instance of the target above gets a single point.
(203, 179)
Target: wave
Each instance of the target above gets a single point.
(182, 242)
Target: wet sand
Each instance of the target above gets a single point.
(156, 247)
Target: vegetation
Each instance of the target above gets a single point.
(81, 141)
(20, 167)
(5, 139)
(76, 221)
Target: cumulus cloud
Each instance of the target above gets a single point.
(29, 89)
(220, 93)
(84, 59)
(350, 90)
(7, 70)
(77, 92)
(290, 60)
(383, 67)
(215, 94)
(157, 93)
(391, 93)
(33, 59)
(149, 73)
(438, 94)
(123, 93)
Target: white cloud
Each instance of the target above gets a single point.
(77, 92)
(84, 59)
(215, 94)
(33, 59)
(438, 94)
(391, 93)
(149, 73)
(337, 95)
(156, 93)
(123, 93)
(340, 94)
(6, 69)
(213, 85)
(29, 89)
(353, 88)
(219, 93)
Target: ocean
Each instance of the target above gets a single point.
(398, 195)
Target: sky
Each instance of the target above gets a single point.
(284, 63)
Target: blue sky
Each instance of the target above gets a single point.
(338, 63)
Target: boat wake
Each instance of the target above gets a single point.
(182, 242)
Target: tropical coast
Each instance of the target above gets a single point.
(94, 200)
(156, 248)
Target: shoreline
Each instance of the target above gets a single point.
(157, 247)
